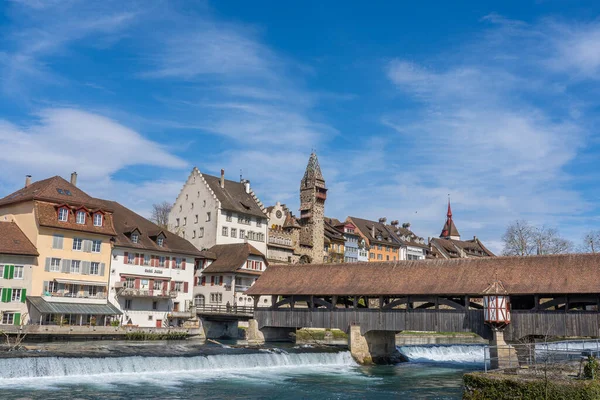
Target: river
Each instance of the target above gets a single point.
(296, 372)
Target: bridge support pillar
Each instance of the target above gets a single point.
(374, 347)
(220, 329)
(502, 355)
(268, 334)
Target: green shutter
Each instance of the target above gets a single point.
(4, 292)
(12, 272)
(8, 295)
(6, 271)
(17, 318)
(23, 295)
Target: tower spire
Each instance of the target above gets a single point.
(449, 230)
(449, 214)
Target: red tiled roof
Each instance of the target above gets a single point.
(13, 240)
(231, 257)
(47, 215)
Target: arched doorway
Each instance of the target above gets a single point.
(304, 259)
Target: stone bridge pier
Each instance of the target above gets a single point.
(374, 347)
(258, 335)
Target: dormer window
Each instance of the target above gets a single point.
(98, 219)
(134, 237)
(160, 241)
(81, 217)
(63, 214)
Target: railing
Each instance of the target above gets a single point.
(241, 288)
(100, 295)
(540, 356)
(129, 292)
(224, 309)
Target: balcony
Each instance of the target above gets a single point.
(241, 288)
(157, 294)
(320, 195)
(227, 288)
(78, 295)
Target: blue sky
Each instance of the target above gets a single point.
(493, 102)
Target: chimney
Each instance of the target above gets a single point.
(27, 180)
(222, 179)
(247, 185)
(394, 223)
(373, 231)
(382, 220)
(74, 179)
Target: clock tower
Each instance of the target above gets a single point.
(313, 194)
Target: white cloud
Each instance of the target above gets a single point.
(66, 140)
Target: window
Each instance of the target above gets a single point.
(77, 244)
(95, 268)
(160, 241)
(378, 247)
(184, 221)
(216, 297)
(180, 208)
(372, 255)
(154, 307)
(208, 216)
(228, 217)
(57, 241)
(178, 263)
(192, 207)
(161, 261)
(127, 305)
(130, 283)
(146, 259)
(75, 266)
(201, 232)
(258, 223)
(203, 202)
(176, 222)
(92, 291)
(157, 285)
(81, 217)
(134, 237)
(233, 232)
(196, 218)
(194, 234)
(224, 232)
(63, 214)
(55, 265)
(179, 286)
(96, 245)
(16, 295)
(18, 272)
(387, 258)
(379, 256)
(97, 219)
(8, 318)
(242, 234)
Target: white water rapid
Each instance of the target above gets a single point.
(451, 353)
(104, 368)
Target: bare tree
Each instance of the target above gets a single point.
(519, 239)
(160, 214)
(591, 242)
(524, 239)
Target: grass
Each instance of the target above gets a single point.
(319, 334)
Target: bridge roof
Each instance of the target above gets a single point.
(556, 274)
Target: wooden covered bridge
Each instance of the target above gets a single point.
(556, 295)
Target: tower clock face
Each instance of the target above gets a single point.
(278, 214)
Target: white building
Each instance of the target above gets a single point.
(226, 273)
(211, 210)
(17, 262)
(151, 272)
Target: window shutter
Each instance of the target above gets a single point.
(66, 266)
(212, 280)
(3, 299)
(137, 283)
(8, 295)
(6, 271)
(85, 267)
(183, 263)
(151, 284)
(126, 258)
(17, 319)
(102, 266)
(46, 284)
(165, 285)
(221, 280)
(48, 261)
(185, 287)
(152, 261)
(172, 286)
(203, 281)
(173, 263)
(123, 279)
(11, 274)
(23, 295)
(87, 246)
(167, 259)
(137, 259)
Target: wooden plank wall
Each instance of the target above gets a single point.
(524, 323)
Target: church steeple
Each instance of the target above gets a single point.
(449, 230)
(313, 175)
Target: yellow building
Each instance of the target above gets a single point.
(71, 231)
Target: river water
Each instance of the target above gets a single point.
(434, 372)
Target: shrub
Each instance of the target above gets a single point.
(591, 368)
